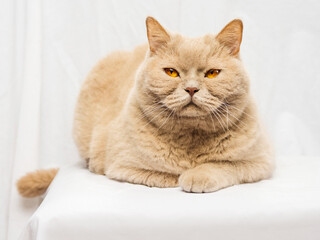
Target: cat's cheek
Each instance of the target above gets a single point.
(163, 86)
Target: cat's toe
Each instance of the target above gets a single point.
(193, 181)
(185, 182)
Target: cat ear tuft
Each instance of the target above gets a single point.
(157, 35)
(231, 36)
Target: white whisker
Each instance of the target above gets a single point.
(155, 117)
(165, 120)
(216, 114)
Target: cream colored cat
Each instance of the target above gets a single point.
(177, 112)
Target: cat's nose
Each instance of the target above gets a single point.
(191, 90)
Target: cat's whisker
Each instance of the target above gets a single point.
(151, 106)
(214, 125)
(155, 117)
(242, 111)
(234, 107)
(217, 117)
(223, 122)
(179, 119)
(224, 116)
(149, 111)
(223, 104)
(227, 116)
(238, 120)
(165, 120)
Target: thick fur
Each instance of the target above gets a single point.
(135, 123)
(36, 183)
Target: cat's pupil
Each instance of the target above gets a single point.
(171, 70)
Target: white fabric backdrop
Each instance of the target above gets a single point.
(48, 47)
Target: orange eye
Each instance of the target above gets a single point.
(171, 72)
(212, 73)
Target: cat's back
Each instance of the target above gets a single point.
(104, 93)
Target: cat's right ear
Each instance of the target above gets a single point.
(157, 35)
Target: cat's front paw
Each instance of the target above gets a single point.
(202, 181)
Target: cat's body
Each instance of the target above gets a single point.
(127, 144)
(101, 100)
(134, 123)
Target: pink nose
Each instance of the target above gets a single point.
(191, 90)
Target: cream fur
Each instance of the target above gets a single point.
(135, 123)
(36, 183)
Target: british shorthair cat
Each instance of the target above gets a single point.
(175, 112)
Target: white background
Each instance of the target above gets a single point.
(48, 47)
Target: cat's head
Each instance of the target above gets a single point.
(193, 79)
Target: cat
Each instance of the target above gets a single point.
(174, 112)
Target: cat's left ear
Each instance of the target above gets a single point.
(231, 36)
(157, 35)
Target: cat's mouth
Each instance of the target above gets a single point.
(194, 110)
(191, 110)
(191, 104)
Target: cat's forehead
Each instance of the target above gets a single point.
(190, 53)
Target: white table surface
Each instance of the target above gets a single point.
(81, 205)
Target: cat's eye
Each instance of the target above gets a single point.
(171, 72)
(212, 73)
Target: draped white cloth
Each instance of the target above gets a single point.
(81, 205)
(48, 47)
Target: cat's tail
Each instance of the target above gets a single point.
(36, 183)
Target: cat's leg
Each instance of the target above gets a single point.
(142, 176)
(212, 176)
(98, 150)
